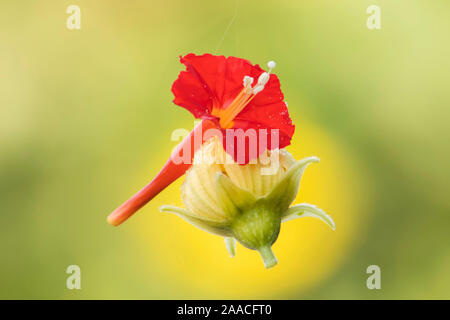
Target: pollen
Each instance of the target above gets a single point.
(244, 97)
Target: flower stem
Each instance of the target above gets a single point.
(268, 257)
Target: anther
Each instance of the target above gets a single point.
(263, 78)
(247, 81)
(258, 88)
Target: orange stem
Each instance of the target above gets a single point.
(168, 174)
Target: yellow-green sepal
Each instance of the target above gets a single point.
(214, 227)
(285, 191)
(231, 198)
(230, 244)
(307, 210)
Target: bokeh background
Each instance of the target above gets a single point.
(86, 119)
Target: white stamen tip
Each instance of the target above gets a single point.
(263, 78)
(271, 64)
(258, 88)
(247, 81)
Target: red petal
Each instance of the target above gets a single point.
(260, 135)
(192, 95)
(210, 80)
(215, 81)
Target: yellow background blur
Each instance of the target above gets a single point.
(86, 119)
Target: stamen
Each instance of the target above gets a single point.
(247, 81)
(245, 96)
(258, 88)
(263, 79)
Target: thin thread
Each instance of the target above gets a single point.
(228, 27)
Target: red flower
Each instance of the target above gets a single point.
(232, 96)
(212, 88)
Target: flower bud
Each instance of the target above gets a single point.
(238, 202)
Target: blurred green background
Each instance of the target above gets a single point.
(86, 118)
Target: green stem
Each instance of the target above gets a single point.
(268, 257)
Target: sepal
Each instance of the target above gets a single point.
(232, 199)
(307, 210)
(285, 191)
(214, 227)
(230, 244)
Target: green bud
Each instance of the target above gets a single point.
(257, 228)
